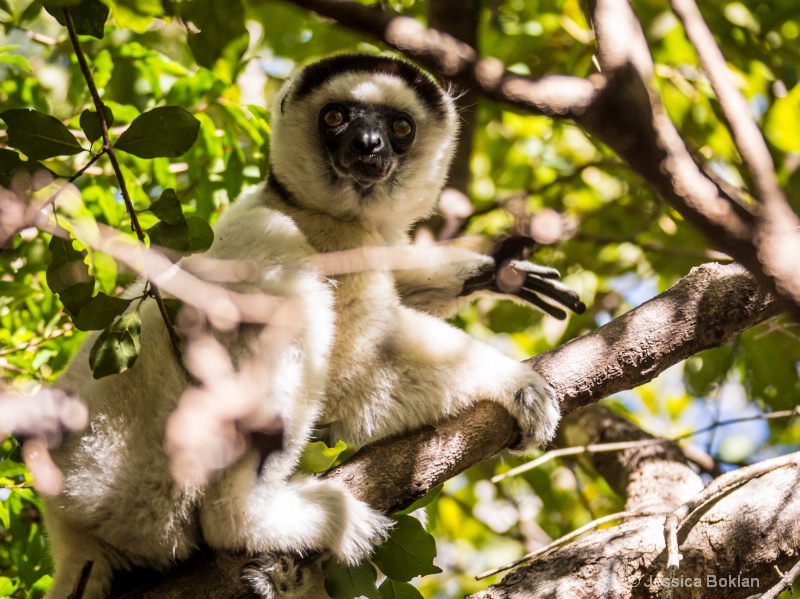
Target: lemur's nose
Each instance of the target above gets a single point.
(367, 140)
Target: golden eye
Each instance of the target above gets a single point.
(333, 117)
(402, 127)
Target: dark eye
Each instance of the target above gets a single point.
(402, 127)
(333, 117)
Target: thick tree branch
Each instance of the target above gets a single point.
(703, 310)
(628, 561)
(622, 108)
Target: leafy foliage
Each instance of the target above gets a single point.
(183, 89)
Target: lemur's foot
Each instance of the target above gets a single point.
(537, 412)
(277, 576)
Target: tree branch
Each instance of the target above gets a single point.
(645, 138)
(703, 310)
(629, 560)
(123, 188)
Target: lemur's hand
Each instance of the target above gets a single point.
(512, 274)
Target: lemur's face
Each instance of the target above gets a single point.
(363, 137)
(365, 142)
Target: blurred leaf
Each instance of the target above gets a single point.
(429, 497)
(40, 587)
(100, 312)
(90, 123)
(164, 131)
(168, 208)
(135, 14)
(318, 457)
(707, 369)
(212, 27)
(13, 59)
(173, 307)
(117, 348)
(11, 162)
(68, 274)
(7, 586)
(39, 135)
(201, 235)
(346, 582)
(88, 16)
(57, 5)
(771, 376)
(392, 589)
(782, 125)
(173, 237)
(408, 552)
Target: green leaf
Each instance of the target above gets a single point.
(100, 312)
(392, 589)
(52, 6)
(31, 12)
(408, 552)
(201, 235)
(88, 16)
(13, 59)
(318, 457)
(166, 131)
(39, 135)
(173, 237)
(173, 307)
(212, 27)
(168, 208)
(344, 582)
(782, 126)
(6, 7)
(11, 163)
(7, 586)
(706, 369)
(136, 15)
(90, 123)
(39, 589)
(68, 274)
(422, 501)
(117, 348)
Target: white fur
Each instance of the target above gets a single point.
(362, 362)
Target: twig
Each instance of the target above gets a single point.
(565, 539)
(83, 580)
(109, 150)
(622, 445)
(785, 583)
(716, 487)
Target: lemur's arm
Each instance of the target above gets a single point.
(455, 273)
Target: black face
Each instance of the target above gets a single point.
(365, 141)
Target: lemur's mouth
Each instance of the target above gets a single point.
(364, 171)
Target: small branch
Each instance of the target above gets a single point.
(785, 582)
(746, 134)
(564, 540)
(608, 447)
(83, 580)
(109, 150)
(715, 488)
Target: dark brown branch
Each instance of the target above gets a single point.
(703, 310)
(108, 149)
(629, 561)
(646, 138)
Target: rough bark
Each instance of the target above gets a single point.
(650, 478)
(703, 310)
(738, 538)
(646, 138)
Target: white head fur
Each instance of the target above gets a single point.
(301, 163)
